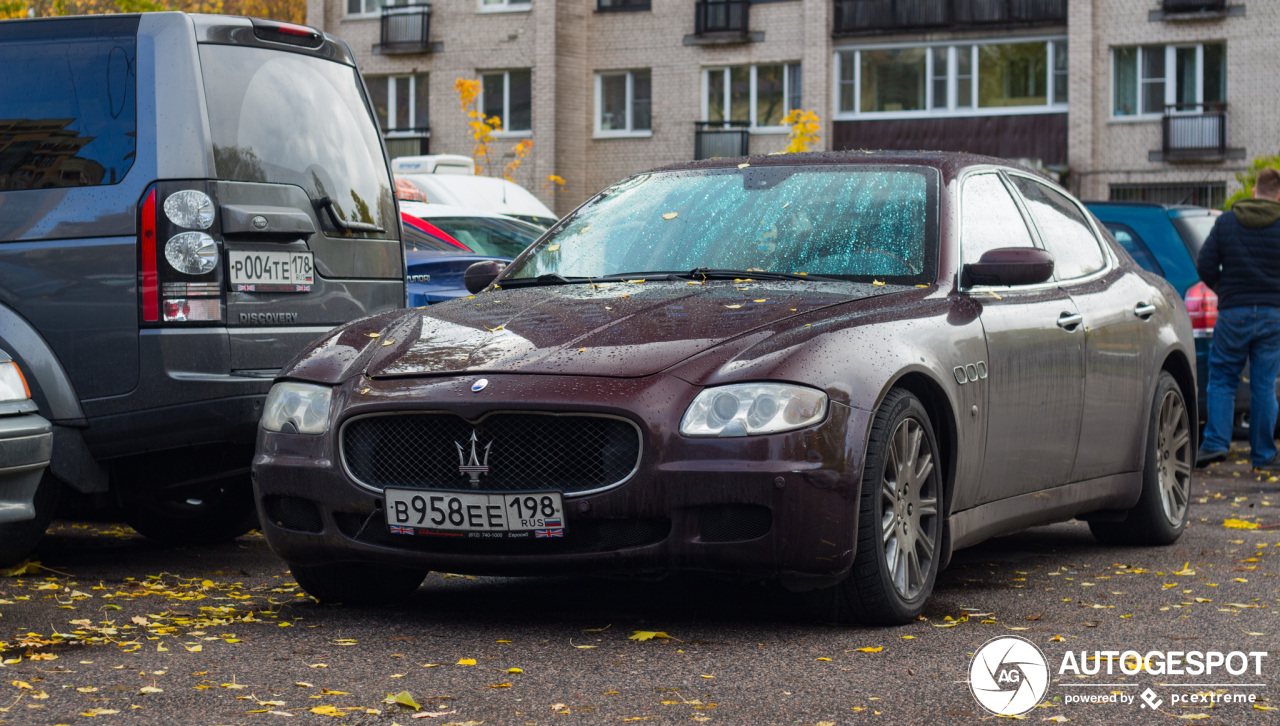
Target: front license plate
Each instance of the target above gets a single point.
(253, 271)
(531, 515)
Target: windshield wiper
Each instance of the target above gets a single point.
(707, 273)
(557, 279)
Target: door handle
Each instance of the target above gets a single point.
(1144, 310)
(1070, 321)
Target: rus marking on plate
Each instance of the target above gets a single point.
(473, 467)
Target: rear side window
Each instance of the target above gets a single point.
(68, 103)
(1063, 229)
(989, 219)
(490, 236)
(288, 118)
(1194, 230)
(1134, 245)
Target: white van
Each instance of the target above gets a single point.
(443, 179)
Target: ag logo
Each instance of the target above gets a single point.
(1008, 676)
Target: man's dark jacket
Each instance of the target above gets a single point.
(1241, 258)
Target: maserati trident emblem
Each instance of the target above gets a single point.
(479, 385)
(473, 467)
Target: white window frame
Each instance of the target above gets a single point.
(752, 127)
(627, 133)
(393, 102)
(951, 109)
(376, 12)
(1170, 80)
(506, 104)
(504, 6)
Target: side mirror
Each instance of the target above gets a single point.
(482, 274)
(1009, 266)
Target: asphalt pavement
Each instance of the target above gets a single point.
(113, 629)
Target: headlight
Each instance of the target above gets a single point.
(301, 408)
(13, 387)
(747, 409)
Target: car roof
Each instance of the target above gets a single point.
(480, 192)
(1171, 210)
(950, 163)
(427, 210)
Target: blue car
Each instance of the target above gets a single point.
(1166, 239)
(441, 242)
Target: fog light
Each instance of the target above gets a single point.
(183, 310)
(194, 253)
(189, 208)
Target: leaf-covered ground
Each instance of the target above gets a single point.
(112, 629)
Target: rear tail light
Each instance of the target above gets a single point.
(180, 250)
(278, 32)
(1202, 306)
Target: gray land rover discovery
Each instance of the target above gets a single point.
(186, 201)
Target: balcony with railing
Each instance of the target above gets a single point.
(857, 17)
(728, 18)
(405, 29)
(1195, 132)
(712, 139)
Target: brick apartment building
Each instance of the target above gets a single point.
(605, 88)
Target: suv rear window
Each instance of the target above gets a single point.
(68, 103)
(288, 118)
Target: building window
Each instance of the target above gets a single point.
(942, 79)
(758, 96)
(368, 7)
(623, 103)
(499, 6)
(509, 96)
(1146, 79)
(604, 6)
(400, 102)
(1202, 194)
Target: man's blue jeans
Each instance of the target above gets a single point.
(1244, 334)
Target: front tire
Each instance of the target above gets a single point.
(358, 584)
(899, 521)
(1160, 516)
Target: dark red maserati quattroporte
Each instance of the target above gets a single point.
(832, 369)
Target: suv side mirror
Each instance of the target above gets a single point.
(482, 274)
(1009, 266)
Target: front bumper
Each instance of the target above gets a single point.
(783, 505)
(26, 441)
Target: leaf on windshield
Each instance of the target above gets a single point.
(743, 166)
(733, 307)
(878, 283)
(670, 215)
(389, 341)
(552, 248)
(763, 299)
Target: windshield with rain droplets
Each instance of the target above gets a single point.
(855, 222)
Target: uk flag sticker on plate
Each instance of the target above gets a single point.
(397, 529)
(546, 533)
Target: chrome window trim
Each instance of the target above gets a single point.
(342, 452)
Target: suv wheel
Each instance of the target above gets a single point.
(213, 512)
(357, 584)
(19, 539)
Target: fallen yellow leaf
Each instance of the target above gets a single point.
(648, 634)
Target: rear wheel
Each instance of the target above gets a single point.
(196, 513)
(358, 584)
(898, 523)
(1160, 515)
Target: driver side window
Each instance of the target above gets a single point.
(989, 218)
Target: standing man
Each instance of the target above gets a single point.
(1241, 262)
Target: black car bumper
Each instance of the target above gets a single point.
(26, 441)
(776, 505)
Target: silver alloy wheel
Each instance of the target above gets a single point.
(1174, 457)
(909, 519)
